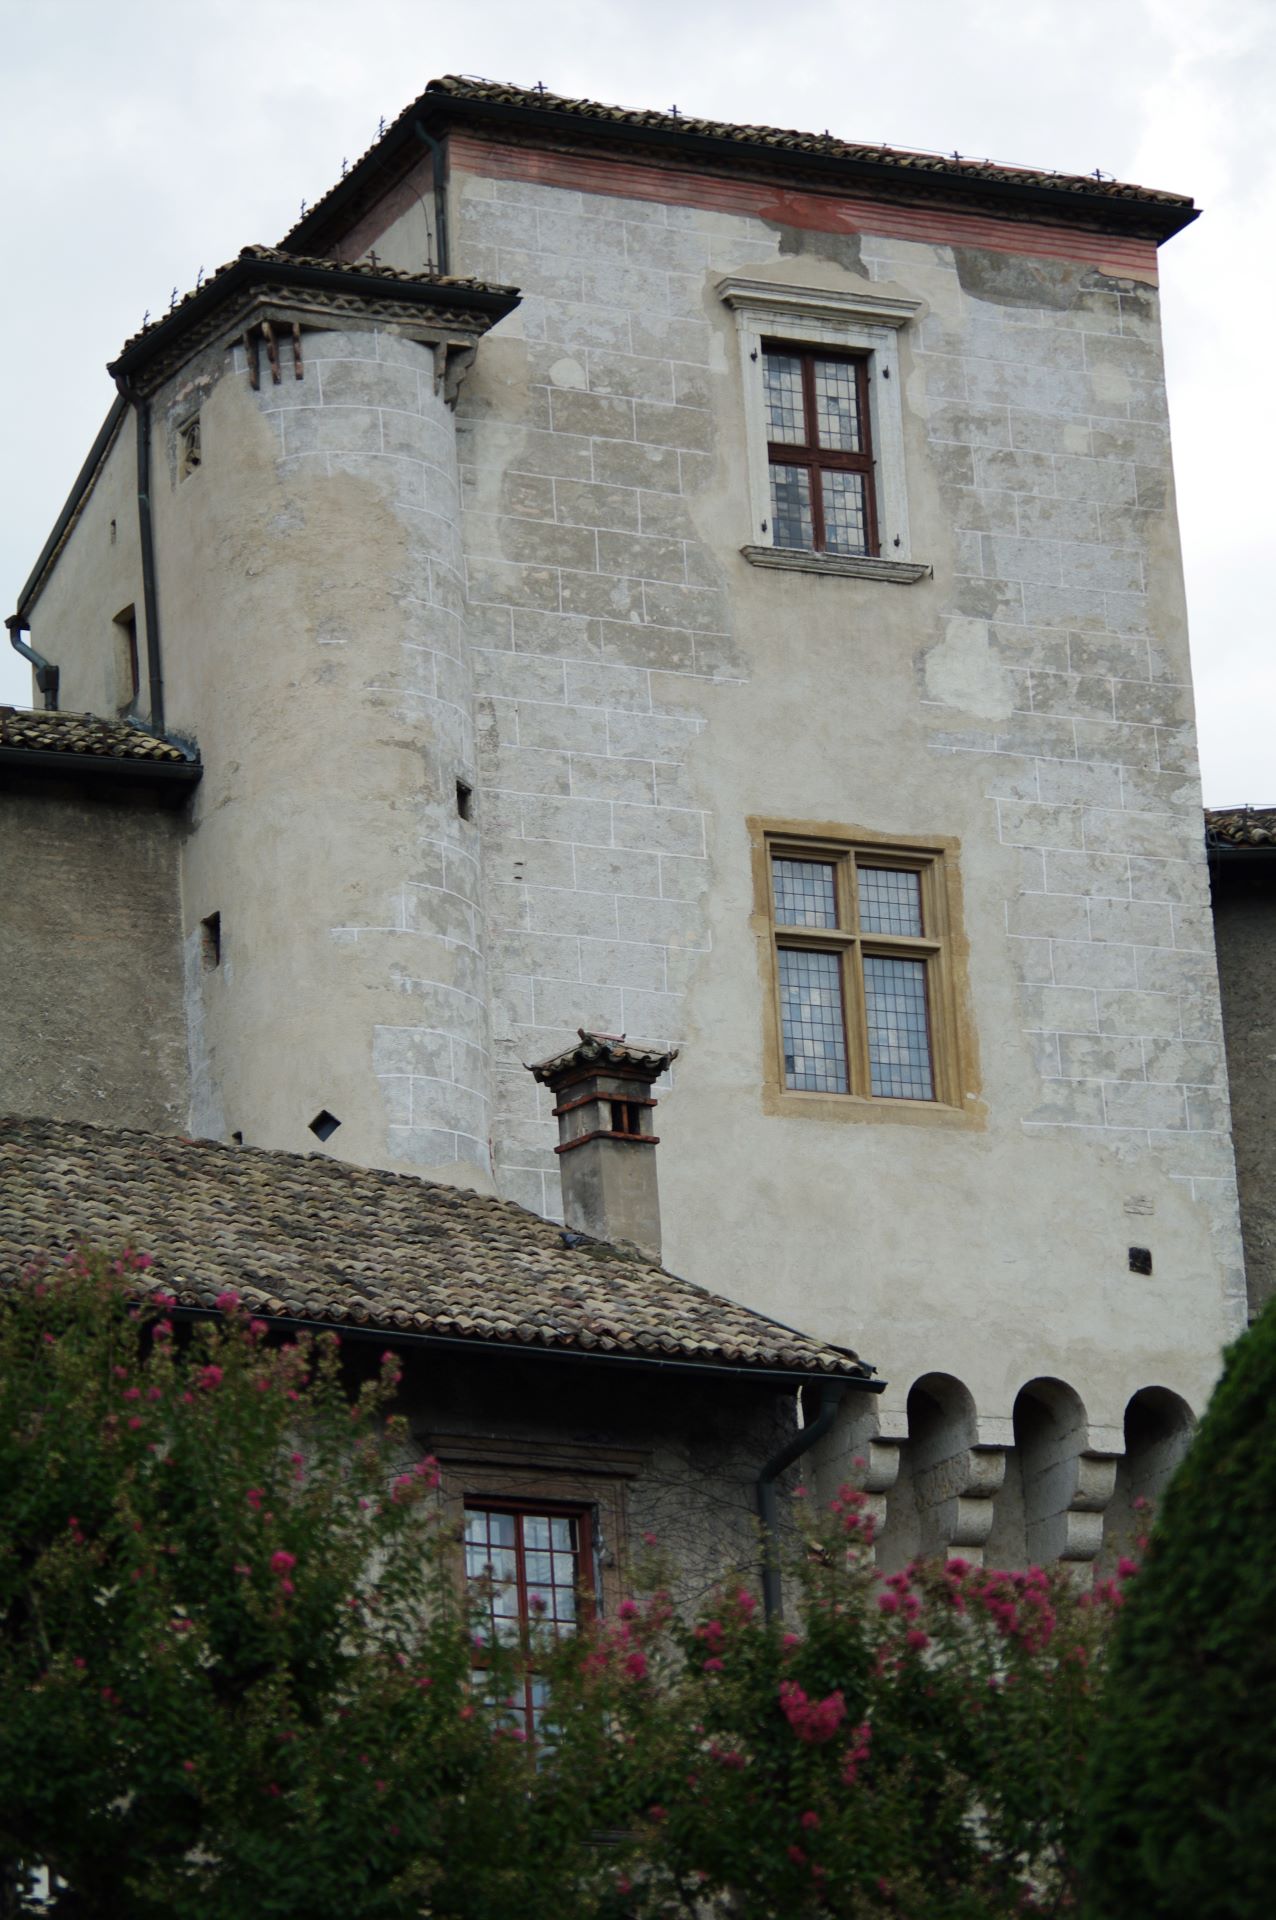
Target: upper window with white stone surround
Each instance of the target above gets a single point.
(825, 429)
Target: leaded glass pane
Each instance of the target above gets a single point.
(898, 1028)
(812, 1022)
(791, 520)
(890, 901)
(837, 406)
(845, 511)
(785, 410)
(805, 893)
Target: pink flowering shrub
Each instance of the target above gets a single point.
(909, 1744)
(237, 1674)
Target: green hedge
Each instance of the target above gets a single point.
(1181, 1792)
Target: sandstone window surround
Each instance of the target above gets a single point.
(864, 990)
(860, 329)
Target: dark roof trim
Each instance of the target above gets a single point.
(788, 1378)
(439, 109)
(252, 270)
(62, 525)
(175, 779)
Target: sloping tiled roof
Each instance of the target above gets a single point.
(452, 94)
(277, 257)
(1240, 826)
(603, 1049)
(788, 140)
(312, 1239)
(451, 289)
(82, 734)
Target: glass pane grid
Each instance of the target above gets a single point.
(791, 521)
(785, 408)
(837, 406)
(845, 511)
(890, 901)
(898, 1028)
(805, 893)
(812, 1021)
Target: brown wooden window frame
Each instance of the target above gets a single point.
(522, 1703)
(818, 460)
(941, 947)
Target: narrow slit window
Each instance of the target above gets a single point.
(130, 663)
(210, 941)
(190, 453)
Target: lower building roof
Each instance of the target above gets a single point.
(305, 1238)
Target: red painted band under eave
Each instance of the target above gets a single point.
(1123, 257)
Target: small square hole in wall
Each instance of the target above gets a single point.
(210, 941)
(464, 799)
(188, 449)
(324, 1124)
(1140, 1259)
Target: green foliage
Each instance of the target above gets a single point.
(234, 1665)
(915, 1749)
(1181, 1798)
(236, 1677)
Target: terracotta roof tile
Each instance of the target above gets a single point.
(315, 1239)
(276, 256)
(1240, 826)
(789, 140)
(82, 733)
(593, 1049)
(458, 90)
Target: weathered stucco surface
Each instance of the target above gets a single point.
(581, 640)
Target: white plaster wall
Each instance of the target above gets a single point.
(643, 691)
(311, 603)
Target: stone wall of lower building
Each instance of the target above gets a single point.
(1244, 895)
(92, 1023)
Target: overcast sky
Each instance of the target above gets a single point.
(144, 140)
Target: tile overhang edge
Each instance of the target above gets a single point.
(793, 1377)
(251, 270)
(440, 112)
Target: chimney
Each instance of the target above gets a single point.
(605, 1110)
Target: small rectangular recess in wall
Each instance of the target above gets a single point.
(130, 675)
(464, 799)
(188, 447)
(1141, 1260)
(210, 941)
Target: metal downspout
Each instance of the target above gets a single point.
(150, 599)
(440, 197)
(832, 1393)
(46, 674)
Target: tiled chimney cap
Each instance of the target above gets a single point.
(604, 1050)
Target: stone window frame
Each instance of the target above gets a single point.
(864, 326)
(523, 1705)
(534, 1475)
(953, 1054)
